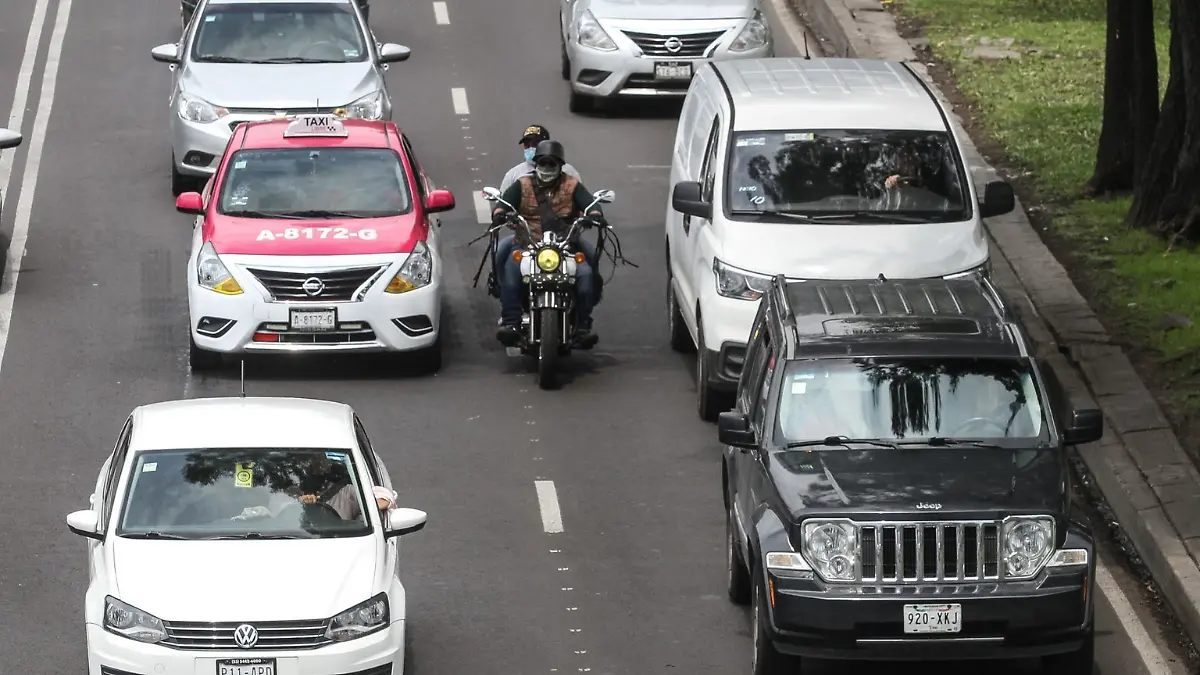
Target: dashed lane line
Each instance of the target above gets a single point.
(16, 118)
(460, 101)
(548, 504)
(441, 14)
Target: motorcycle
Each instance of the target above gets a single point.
(548, 271)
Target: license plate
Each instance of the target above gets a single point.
(673, 70)
(313, 320)
(245, 667)
(932, 618)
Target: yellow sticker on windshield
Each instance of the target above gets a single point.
(243, 476)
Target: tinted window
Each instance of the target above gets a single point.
(315, 182)
(832, 172)
(909, 398)
(230, 493)
(279, 33)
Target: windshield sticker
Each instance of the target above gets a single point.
(350, 53)
(792, 138)
(336, 456)
(757, 199)
(210, 18)
(799, 387)
(258, 16)
(748, 188)
(752, 142)
(365, 234)
(240, 164)
(151, 466)
(243, 477)
(804, 376)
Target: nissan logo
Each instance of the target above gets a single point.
(673, 44)
(245, 635)
(313, 286)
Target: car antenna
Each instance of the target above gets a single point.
(807, 56)
(242, 384)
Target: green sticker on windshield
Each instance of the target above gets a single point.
(243, 476)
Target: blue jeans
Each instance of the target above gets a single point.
(511, 286)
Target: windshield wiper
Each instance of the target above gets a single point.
(152, 535)
(871, 215)
(840, 441)
(943, 442)
(317, 213)
(297, 59)
(768, 212)
(213, 58)
(284, 215)
(256, 535)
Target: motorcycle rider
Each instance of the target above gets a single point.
(550, 189)
(534, 134)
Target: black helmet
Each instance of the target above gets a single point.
(550, 149)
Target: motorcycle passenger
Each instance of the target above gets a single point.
(564, 198)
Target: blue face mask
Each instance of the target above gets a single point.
(529, 154)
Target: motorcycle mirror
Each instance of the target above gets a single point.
(491, 194)
(604, 196)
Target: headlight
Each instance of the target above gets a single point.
(787, 560)
(131, 622)
(212, 274)
(548, 259)
(416, 272)
(754, 35)
(359, 620)
(592, 35)
(196, 109)
(739, 284)
(978, 272)
(1026, 545)
(369, 107)
(831, 548)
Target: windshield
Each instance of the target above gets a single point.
(276, 492)
(895, 399)
(902, 173)
(315, 182)
(303, 32)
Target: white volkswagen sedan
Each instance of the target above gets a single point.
(244, 536)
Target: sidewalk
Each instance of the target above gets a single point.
(1146, 478)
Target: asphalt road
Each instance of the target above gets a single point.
(634, 583)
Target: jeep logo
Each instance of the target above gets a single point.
(925, 506)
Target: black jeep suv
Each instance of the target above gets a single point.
(896, 482)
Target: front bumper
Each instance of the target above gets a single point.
(379, 654)
(726, 323)
(1049, 615)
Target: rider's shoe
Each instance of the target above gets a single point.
(585, 339)
(509, 335)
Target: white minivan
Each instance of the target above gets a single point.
(812, 169)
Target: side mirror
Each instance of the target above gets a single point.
(404, 521)
(190, 203)
(604, 196)
(491, 194)
(9, 139)
(1086, 426)
(85, 524)
(998, 199)
(439, 201)
(686, 198)
(166, 53)
(733, 428)
(393, 53)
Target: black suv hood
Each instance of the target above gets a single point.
(883, 480)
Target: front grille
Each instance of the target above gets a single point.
(346, 333)
(337, 285)
(692, 46)
(929, 552)
(271, 635)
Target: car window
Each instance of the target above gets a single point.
(753, 351)
(364, 444)
(114, 470)
(752, 369)
(838, 171)
(315, 182)
(898, 398)
(764, 383)
(708, 169)
(279, 32)
(416, 166)
(217, 493)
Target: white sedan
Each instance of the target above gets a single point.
(244, 536)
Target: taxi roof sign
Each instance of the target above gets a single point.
(327, 126)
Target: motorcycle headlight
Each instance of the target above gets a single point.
(1027, 543)
(548, 259)
(130, 622)
(831, 548)
(416, 272)
(369, 107)
(359, 620)
(592, 34)
(983, 271)
(738, 283)
(754, 34)
(195, 109)
(212, 274)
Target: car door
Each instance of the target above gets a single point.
(749, 389)
(104, 497)
(759, 487)
(691, 253)
(379, 476)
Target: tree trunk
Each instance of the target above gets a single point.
(1130, 97)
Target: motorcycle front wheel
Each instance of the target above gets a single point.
(551, 337)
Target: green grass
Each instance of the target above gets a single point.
(1045, 110)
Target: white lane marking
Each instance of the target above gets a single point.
(1147, 649)
(33, 161)
(460, 101)
(440, 14)
(483, 208)
(548, 504)
(16, 118)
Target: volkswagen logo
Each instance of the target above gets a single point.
(313, 286)
(245, 635)
(673, 44)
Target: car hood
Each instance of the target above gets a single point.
(678, 10)
(353, 236)
(804, 251)
(280, 86)
(883, 480)
(239, 580)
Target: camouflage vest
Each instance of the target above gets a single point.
(562, 200)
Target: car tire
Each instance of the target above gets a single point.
(180, 183)
(1079, 662)
(767, 660)
(738, 575)
(430, 358)
(681, 339)
(580, 103)
(709, 401)
(566, 64)
(202, 360)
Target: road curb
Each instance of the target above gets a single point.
(1146, 478)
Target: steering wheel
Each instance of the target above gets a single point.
(328, 46)
(982, 422)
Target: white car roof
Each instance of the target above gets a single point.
(236, 422)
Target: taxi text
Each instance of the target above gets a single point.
(317, 233)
